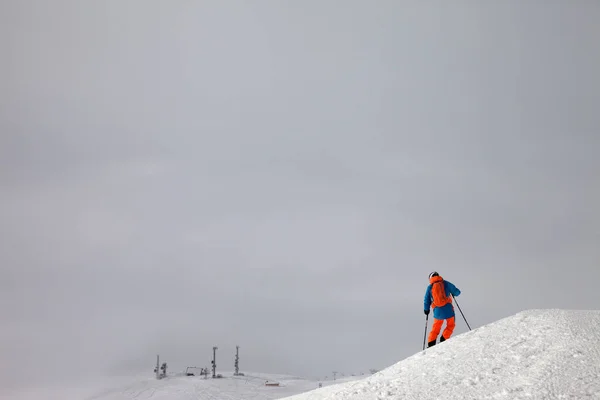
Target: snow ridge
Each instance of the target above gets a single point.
(537, 354)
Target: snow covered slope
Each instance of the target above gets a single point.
(549, 354)
(248, 387)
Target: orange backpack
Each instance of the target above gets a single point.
(438, 294)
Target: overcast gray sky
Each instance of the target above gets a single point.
(284, 175)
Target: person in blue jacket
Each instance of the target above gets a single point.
(439, 296)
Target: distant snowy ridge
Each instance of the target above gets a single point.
(537, 354)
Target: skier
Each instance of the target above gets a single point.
(438, 295)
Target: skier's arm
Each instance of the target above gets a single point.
(454, 291)
(427, 299)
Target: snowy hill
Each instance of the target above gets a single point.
(250, 386)
(550, 354)
(179, 387)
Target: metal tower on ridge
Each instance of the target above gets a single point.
(214, 362)
(237, 361)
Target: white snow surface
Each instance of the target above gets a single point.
(251, 386)
(537, 354)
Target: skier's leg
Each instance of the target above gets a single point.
(450, 324)
(435, 330)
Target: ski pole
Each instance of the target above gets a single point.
(463, 315)
(425, 335)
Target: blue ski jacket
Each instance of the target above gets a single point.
(446, 311)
